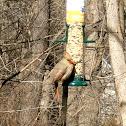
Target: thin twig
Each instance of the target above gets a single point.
(4, 65)
(23, 69)
(27, 109)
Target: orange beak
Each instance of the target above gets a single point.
(71, 61)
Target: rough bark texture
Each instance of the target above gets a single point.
(115, 28)
(26, 100)
(29, 26)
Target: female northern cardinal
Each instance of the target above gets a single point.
(61, 71)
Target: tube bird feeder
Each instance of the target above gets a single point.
(75, 38)
(75, 20)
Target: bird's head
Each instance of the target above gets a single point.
(68, 57)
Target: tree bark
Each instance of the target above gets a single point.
(30, 41)
(115, 28)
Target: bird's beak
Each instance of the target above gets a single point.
(71, 61)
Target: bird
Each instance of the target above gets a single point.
(61, 71)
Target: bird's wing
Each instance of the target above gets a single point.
(68, 72)
(60, 73)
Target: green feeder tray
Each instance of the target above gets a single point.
(78, 81)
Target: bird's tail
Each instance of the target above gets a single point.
(57, 94)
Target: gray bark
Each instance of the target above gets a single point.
(115, 27)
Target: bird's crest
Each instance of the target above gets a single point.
(68, 57)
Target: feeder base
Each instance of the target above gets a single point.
(78, 81)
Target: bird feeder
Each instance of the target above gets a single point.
(75, 38)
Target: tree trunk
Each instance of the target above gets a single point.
(26, 35)
(115, 25)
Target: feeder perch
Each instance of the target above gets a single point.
(84, 40)
(66, 39)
